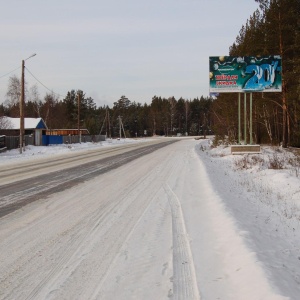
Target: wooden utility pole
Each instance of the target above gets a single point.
(186, 117)
(204, 125)
(22, 105)
(78, 119)
(109, 129)
(121, 127)
(22, 102)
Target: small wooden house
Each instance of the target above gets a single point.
(32, 126)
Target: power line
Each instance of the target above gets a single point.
(42, 83)
(10, 72)
(34, 78)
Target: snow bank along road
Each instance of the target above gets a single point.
(141, 230)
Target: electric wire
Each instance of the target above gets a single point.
(42, 83)
(10, 72)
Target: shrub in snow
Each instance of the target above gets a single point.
(248, 161)
(276, 162)
(294, 162)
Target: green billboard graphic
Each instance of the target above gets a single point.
(228, 74)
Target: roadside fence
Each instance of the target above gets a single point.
(13, 142)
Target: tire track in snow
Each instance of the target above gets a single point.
(71, 278)
(17, 194)
(61, 161)
(77, 232)
(149, 185)
(150, 268)
(101, 215)
(184, 278)
(78, 254)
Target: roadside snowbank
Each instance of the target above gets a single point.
(31, 152)
(262, 194)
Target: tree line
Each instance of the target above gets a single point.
(273, 29)
(163, 116)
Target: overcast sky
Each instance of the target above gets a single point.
(111, 48)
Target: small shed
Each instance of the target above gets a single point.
(62, 136)
(32, 126)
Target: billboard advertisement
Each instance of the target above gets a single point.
(229, 74)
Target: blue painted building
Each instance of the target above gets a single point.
(32, 126)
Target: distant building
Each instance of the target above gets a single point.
(38, 134)
(32, 126)
(83, 131)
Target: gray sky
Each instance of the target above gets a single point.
(111, 48)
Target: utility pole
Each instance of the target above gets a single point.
(186, 117)
(78, 119)
(22, 102)
(120, 127)
(108, 121)
(204, 126)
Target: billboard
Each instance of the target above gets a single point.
(229, 74)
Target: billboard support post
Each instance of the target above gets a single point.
(239, 119)
(251, 119)
(245, 118)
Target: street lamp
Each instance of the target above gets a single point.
(22, 103)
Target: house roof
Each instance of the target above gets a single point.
(29, 123)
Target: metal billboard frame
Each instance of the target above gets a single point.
(245, 74)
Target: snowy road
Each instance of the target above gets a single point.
(33, 180)
(149, 229)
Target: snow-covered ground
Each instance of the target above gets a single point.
(213, 226)
(261, 193)
(32, 152)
